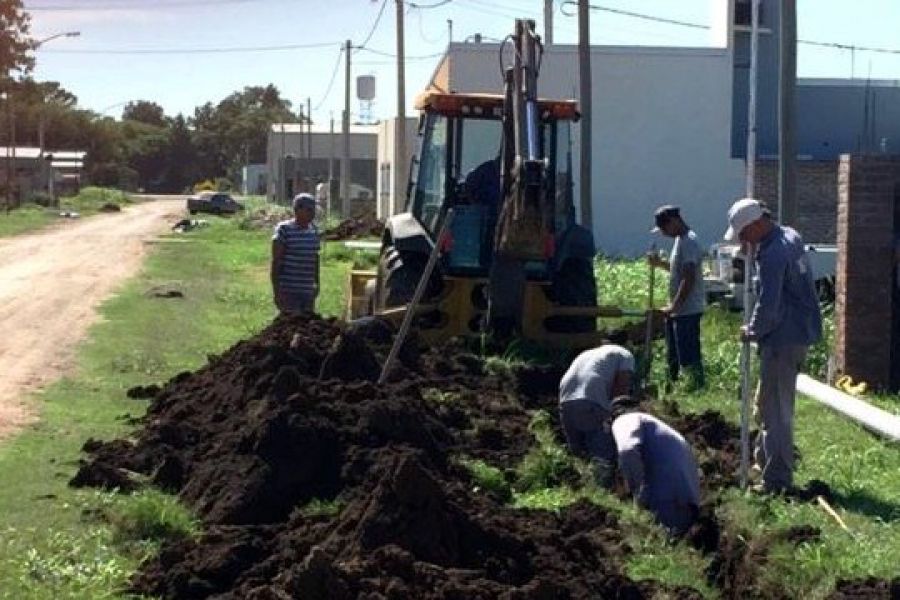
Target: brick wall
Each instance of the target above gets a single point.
(817, 196)
(867, 188)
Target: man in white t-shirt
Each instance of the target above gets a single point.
(687, 298)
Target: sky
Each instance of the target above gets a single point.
(184, 53)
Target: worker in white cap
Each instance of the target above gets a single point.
(785, 322)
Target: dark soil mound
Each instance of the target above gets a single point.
(293, 416)
(349, 229)
(870, 589)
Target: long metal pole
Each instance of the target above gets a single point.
(330, 196)
(308, 129)
(345, 138)
(787, 76)
(280, 196)
(548, 22)
(400, 161)
(748, 257)
(584, 80)
(416, 298)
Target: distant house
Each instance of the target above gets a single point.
(34, 175)
(297, 161)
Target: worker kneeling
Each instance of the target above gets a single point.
(586, 391)
(657, 464)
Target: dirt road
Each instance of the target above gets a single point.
(50, 285)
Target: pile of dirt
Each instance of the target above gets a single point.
(868, 589)
(291, 420)
(354, 228)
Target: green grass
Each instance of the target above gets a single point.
(540, 485)
(53, 545)
(487, 477)
(31, 217)
(862, 470)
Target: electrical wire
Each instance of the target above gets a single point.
(628, 13)
(334, 72)
(157, 5)
(428, 6)
(422, 35)
(222, 50)
(646, 17)
(391, 55)
(374, 25)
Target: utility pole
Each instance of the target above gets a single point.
(400, 164)
(787, 79)
(584, 80)
(279, 197)
(308, 130)
(330, 196)
(345, 139)
(9, 143)
(548, 22)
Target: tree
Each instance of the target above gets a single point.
(235, 130)
(143, 111)
(15, 44)
(181, 161)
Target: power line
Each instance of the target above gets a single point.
(337, 65)
(428, 6)
(424, 37)
(221, 50)
(691, 25)
(628, 13)
(374, 25)
(391, 55)
(130, 6)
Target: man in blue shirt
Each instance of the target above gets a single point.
(657, 464)
(686, 296)
(785, 322)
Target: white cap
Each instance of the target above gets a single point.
(742, 213)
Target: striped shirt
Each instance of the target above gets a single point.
(301, 257)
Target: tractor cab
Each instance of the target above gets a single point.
(459, 165)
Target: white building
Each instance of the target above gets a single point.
(662, 128)
(393, 171)
(296, 161)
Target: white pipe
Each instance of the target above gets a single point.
(873, 418)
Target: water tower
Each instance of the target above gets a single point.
(365, 93)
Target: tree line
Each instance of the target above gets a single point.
(146, 149)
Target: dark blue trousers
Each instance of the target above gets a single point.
(683, 345)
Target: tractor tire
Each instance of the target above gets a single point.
(398, 276)
(574, 285)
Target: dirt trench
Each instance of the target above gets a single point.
(293, 415)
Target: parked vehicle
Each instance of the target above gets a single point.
(724, 277)
(216, 203)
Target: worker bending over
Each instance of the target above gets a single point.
(657, 464)
(586, 391)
